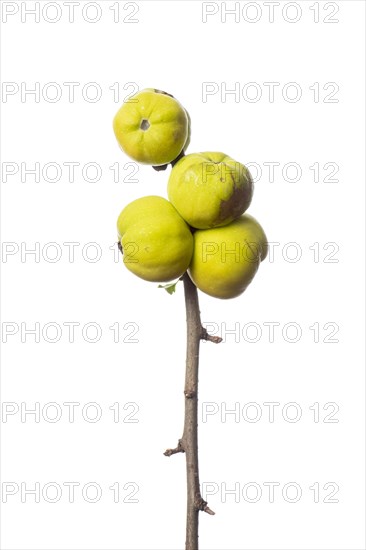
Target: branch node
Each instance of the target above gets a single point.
(189, 394)
(202, 506)
(178, 449)
(206, 336)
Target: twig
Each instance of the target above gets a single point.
(178, 449)
(188, 444)
(206, 336)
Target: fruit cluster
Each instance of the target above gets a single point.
(202, 228)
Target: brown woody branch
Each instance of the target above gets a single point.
(188, 444)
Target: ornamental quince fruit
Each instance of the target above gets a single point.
(210, 189)
(152, 127)
(157, 243)
(225, 259)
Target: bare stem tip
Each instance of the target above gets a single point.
(178, 449)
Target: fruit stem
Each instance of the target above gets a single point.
(180, 156)
(188, 444)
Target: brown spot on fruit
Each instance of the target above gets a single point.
(238, 202)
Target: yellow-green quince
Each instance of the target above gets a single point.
(152, 127)
(210, 189)
(157, 243)
(225, 259)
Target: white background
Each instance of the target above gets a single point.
(171, 48)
